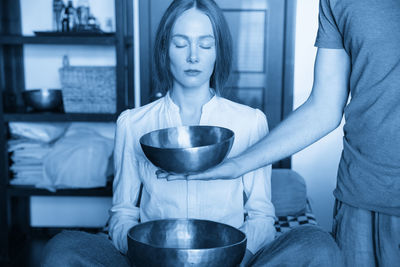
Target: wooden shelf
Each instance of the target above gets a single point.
(15, 199)
(60, 40)
(19, 190)
(61, 117)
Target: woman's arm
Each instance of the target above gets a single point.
(126, 186)
(319, 115)
(259, 222)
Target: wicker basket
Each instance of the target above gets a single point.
(88, 89)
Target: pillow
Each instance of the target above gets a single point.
(43, 132)
(78, 160)
(289, 193)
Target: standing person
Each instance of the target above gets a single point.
(358, 51)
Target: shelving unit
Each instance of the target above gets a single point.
(14, 190)
(41, 117)
(15, 200)
(62, 40)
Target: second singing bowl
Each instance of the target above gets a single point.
(187, 149)
(185, 242)
(43, 99)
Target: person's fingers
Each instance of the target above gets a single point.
(175, 177)
(161, 174)
(169, 176)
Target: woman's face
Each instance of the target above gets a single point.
(192, 49)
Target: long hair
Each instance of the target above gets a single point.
(223, 42)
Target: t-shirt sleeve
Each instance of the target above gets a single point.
(328, 35)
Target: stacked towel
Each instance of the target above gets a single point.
(27, 160)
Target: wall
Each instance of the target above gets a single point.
(317, 163)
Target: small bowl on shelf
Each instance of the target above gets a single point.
(43, 99)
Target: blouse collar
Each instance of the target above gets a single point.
(208, 105)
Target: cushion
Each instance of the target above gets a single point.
(284, 224)
(289, 194)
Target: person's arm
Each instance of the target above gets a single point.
(319, 115)
(126, 186)
(259, 222)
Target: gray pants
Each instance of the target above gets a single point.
(366, 238)
(302, 246)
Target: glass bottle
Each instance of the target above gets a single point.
(69, 18)
(83, 12)
(58, 6)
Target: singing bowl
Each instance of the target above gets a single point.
(43, 99)
(187, 149)
(185, 242)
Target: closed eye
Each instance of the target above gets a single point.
(180, 42)
(206, 46)
(207, 43)
(180, 46)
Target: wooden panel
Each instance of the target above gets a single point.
(251, 96)
(62, 40)
(12, 59)
(58, 117)
(12, 72)
(248, 33)
(243, 4)
(130, 83)
(145, 50)
(258, 34)
(246, 84)
(121, 85)
(3, 167)
(15, 190)
(274, 63)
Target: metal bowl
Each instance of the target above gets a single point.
(43, 99)
(185, 242)
(187, 149)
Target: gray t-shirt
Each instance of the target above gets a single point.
(369, 31)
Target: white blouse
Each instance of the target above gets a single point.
(216, 200)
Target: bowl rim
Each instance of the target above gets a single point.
(231, 138)
(27, 91)
(187, 249)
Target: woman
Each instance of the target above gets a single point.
(193, 60)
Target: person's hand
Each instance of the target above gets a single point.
(170, 176)
(228, 169)
(224, 171)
